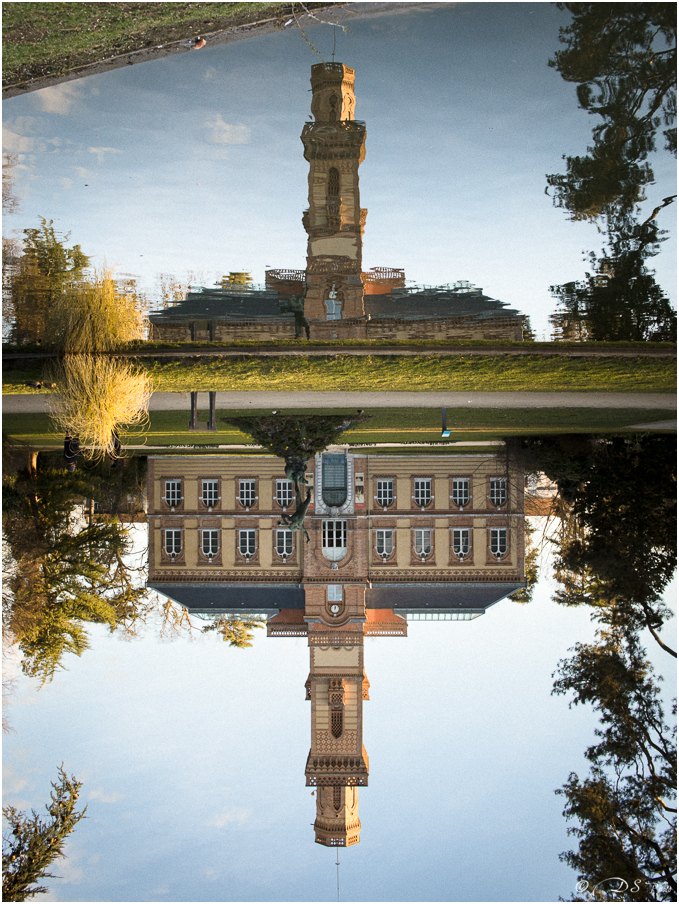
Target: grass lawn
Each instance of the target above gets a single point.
(51, 39)
(420, 373)
(407, 425)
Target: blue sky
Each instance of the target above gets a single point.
(194, 163)
(192, 756)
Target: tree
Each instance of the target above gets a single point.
(525, 595)
(96, 397)
(623, 807)
(65, 572)
(43, 271)
(93, 316)
(622, 56)
(618, 551)
(619, 300)
(236, 631)
(35, 843)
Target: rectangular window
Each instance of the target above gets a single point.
(461, 491)
(498, 541)
(173, 492)
(210, 493)
(461, 542)
(385, 492)
(284, 493)
(334, 593)
(247, 542)
(423, 491)
(173, 542)
(284, 542)
(423, 542)
(335, 534)
(498, 490)
(210, 543)
(246, 493)
(384, 542)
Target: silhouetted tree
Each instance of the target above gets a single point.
(622, 57)
(33, 843)
(623, 808)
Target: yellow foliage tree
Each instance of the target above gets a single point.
(96, 397)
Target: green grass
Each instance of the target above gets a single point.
(301, 344)
(50, 39)
(422, 373)
(417, 373)
(407, 425)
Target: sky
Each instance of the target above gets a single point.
(194, 162)
(192, 756)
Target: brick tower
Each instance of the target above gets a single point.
(334, 146)
(337, 764)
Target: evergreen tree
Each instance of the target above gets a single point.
(33, 843)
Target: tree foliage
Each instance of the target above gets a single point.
(34, 843)
(94, 316)
(622, 57)
(623, 808)
(66, 571)
(40, 278)
(621, 551)
(237, 632)
(96, 397)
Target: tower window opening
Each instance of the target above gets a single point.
(337, 723)
(333, 182)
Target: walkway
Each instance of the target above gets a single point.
(328, 401)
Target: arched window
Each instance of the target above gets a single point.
(333, 183)
(334, 540)
(336, 723)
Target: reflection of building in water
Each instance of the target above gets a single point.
(340, 300)
(392, 538)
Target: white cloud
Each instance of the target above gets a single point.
(99, 794)
(210, 73)
(101, 151)
(224, 133)
(83, 173)
(58, 98)
(67, 183)
(15, 143)
(236, 815)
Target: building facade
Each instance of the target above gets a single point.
(391, 538)
(338, 299)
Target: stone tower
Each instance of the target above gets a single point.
(337, 764)
(334, 146)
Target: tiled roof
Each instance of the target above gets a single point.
(436, 304)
